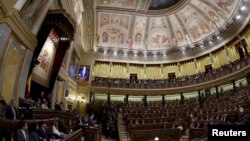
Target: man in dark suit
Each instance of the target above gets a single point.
(91, 121)
(11, 111)
(43, 131)
(22, 132)
(79, 122)
(11, 114)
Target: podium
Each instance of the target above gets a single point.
(92, 134)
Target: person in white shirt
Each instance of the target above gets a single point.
(180, 127)
(241, 109)
(56, 132)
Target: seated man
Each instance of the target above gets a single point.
(79, 122)
(91, 121)
(22, 132)
(43, 132)
(85, 121)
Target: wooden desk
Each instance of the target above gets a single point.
(93, 134)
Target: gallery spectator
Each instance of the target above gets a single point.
(62, 106)
(11, 111)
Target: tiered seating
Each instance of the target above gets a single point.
(157, 119)
(222, 109)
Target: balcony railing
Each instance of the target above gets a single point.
(183, 81)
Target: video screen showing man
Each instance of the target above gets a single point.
(84, 73)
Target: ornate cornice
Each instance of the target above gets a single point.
(12, 18)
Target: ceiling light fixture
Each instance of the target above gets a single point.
(238, 17)
(218, 37)
(243, 8)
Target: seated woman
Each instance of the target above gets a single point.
(56, 132)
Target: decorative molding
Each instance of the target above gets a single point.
(21, 30)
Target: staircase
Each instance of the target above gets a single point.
(123, 134)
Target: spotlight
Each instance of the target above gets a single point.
(243, 8)
(238, 17)
(156, 139)
(64, 39)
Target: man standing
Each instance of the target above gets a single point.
(11, 111)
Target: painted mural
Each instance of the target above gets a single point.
(41, 72)
(117, 3)
(194, 22)
(124, 21)
(214, 18)
(142, 5)
(197, 26)
(178, 37)
(226, 5)
(158, 23)
(104, 19)
(139, 32)
(113, 30)
(159, 34)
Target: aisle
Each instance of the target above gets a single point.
(105, 139)
(123, 134)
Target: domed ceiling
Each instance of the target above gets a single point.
(149, 26)
(162, 4)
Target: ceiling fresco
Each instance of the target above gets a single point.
(196, 22)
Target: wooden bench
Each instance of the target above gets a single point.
(92, 134)
(12, 125)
